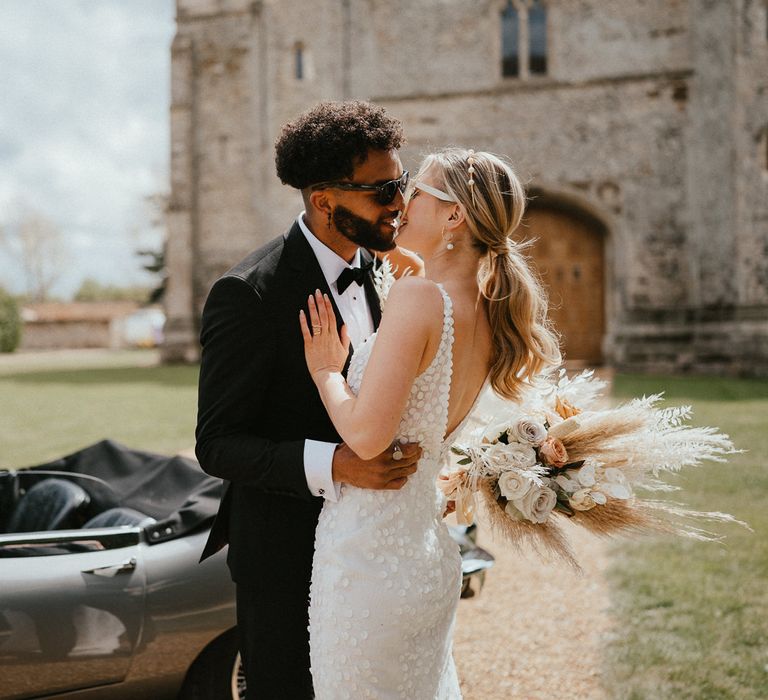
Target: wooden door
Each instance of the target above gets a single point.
(569, 256)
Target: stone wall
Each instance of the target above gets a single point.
(649, 120)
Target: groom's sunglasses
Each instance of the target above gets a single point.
(385, 192)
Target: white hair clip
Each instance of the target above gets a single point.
(471, 171)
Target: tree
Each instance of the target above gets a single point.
(155, 265)
(10, 322)
(37, 243)
(156, 209)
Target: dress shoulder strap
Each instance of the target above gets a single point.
(447, 312)
(444, 360)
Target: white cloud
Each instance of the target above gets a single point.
(84, 125)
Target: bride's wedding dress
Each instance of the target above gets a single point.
(386, 576)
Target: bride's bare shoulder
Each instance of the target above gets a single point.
(417, 298)
(413, 290)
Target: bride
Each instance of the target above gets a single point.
(386, 574)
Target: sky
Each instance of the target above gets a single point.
(84, 129)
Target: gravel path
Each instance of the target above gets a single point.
(535, 630)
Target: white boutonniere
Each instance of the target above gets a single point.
(383, 279)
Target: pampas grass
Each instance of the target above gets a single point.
(546, 539)
(625, 449)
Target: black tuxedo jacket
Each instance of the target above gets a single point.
(257, 404)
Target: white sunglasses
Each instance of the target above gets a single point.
(444, 196)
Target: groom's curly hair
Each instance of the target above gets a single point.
(331, 139)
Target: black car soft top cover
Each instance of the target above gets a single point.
(173, 490)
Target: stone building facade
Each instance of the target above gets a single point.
(640, 128)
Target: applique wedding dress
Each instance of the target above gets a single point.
(386, 575)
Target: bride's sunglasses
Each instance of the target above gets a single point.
(385, 192)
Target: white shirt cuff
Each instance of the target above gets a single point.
(318, 469)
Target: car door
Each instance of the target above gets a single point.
(71, 609)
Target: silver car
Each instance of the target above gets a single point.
(101, 592)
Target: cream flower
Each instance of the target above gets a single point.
(586, 475)
(565, 427)
(493, 432)
(552, 418)
(513, 485)
(529, 431)
(618, 491)
(537, 504)
(614, 484)
(566, 483)
(581, 500)
(514, 455)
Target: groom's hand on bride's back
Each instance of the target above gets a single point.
(381, 472)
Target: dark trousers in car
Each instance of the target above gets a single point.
(274, 643)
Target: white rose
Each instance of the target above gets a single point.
(514, 455)
(529, 431)
(513, 485)
(511, 510)
(581, 500)
(537, 504)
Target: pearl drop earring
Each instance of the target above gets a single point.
(449, 245)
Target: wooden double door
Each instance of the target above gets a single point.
(569, 255)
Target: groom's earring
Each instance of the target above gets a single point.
(449, 240)
(329, 221)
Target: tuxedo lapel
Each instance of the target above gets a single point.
(371, 295)
(309, 275)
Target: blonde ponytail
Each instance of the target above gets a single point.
(493, 199)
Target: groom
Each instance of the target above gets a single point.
(261, 424)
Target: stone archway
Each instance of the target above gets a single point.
(569, 255)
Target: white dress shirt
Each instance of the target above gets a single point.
(353, 307)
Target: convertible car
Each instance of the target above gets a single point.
(101, 592)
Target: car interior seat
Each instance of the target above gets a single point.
(9, 494)
(53, 504)
(114, 517)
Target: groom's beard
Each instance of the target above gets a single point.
(366, 234)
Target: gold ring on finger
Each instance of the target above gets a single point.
(317, 330)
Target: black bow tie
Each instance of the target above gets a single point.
(353, 274)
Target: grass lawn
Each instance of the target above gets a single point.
(47, 413)
(692, 617)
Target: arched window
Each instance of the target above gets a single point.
(298, 61)
(537, 38)
(523, 39)
(510, 44)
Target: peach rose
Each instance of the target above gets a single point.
(553, 452)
